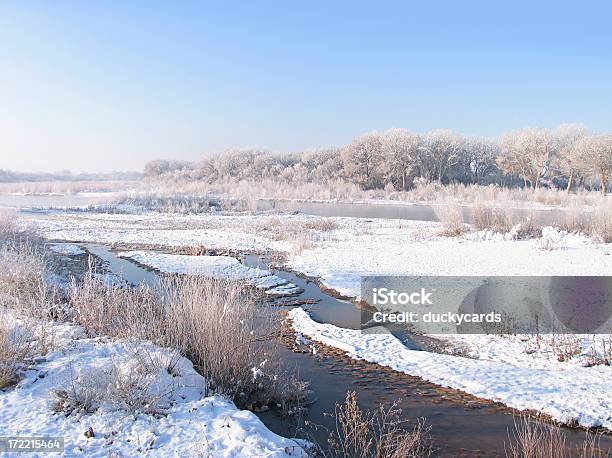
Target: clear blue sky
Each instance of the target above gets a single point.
(108, 85)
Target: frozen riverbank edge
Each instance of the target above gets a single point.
(189, 424)
(576, 395)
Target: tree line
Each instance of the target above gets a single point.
(566, 157)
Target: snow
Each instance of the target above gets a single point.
(213, 231)
(191, 424)
(530, 351)
(571, 394)
(358, 247)
(340, 263)
(67, 249)
(502, 369)
(224, 267)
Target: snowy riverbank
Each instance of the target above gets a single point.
(80, 390)
(553, 392)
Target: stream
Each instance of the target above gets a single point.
(459, 427)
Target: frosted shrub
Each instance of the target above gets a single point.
(14, 350)
(602, 222)
(488, 217)
(534, 439)
(378, 434)
(451, 218)
(220, 325)
(23, 270)
(138, 382)
(116, 311)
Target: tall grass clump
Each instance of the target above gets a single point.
(533, 439)
(169, 202)
(113, 310)
(602, 222)
(23, 269)
(576, 219)
(220, 325)
(596, 222)
(450, 216)
(14, 350)
(378, 434)
(489, 217)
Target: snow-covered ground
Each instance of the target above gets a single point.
(414, 249)
(108, 373)
(555, 352)
(212, 231)
(68, 249)
(223, 267)
(504, 369)
(568, 394)
(357, 247)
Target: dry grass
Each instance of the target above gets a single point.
(566, 346)
(170, 203)
(134, 384)
(378, 434)
(340, 190)
(302, 234)
(115, 311)
(451, 218)
(221, 328)
(596, 222)
(23, 269)
(14, 351)
(601, 226)
(22, 279)
(321, 224)
(219, 325)
(576, 219)
(532, 439)
(489, 217)
(8, 224)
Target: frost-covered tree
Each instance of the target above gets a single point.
(362, 160)
(163, 166)
(323, 164)
(478, 159)
(401, 155)
(231, 163)
(595, 155)
(206, 170)
(569, 163)
(439, 152)
(529, 153)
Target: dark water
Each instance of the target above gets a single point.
(458, 428)
(387, 210)
(127, 270)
